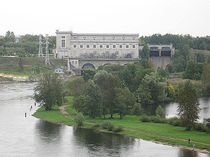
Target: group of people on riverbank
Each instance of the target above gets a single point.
(31, 108)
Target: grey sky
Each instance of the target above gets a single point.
(145, 17)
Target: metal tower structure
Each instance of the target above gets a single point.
(40, 54)
(47, 59)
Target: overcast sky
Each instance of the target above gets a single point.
(145, 17)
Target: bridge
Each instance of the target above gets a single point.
(78, 64)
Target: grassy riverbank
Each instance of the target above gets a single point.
(164, 133)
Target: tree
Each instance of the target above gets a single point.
(150, 92)
(124, 101)
(88, 74)
(206, 79)
(193, 70)
(93, 100)
(160, 112)
(75, 87)
(107, 84)
(49, 91)
(145, 53)
(188, 108)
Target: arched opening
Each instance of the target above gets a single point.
(88, 66)
(107, 64)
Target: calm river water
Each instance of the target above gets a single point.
(31, 137)
(204, 104)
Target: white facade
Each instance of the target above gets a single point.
(113, 46)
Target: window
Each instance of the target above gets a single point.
(114, 46)
(127, 46)
(75, 46)
(134, 46)
(63, 43)
(94, 46)
(107, 46)
(88, 46)
(120, 46)
(63, 37)
(81, 46)
(101, 46)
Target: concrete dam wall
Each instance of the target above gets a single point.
(161, 62)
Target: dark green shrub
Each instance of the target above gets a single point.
(107, 125)
(208, 126)
(118, 129)
(110, 127)
(200, 127)
(79, 119)
(158, 120)
(95, 126)
(174, 121)
(145, 118)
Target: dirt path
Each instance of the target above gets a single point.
(63, 111)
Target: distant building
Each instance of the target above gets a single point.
(161, 50)
(161, 55)
(111, 46)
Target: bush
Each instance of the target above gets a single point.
(107, 125)
(79, 119)
(110, 127)
(158, 120)
(118, 129)
(95, 126)
(208, 126)
(174, 121)
(145, 118)
(160, 112)
(200, 127)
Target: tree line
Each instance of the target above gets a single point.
(22, 46)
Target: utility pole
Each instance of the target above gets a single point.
(40, 54)
(47, 59)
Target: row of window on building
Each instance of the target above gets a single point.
(105, 46)
(63, 44)
(94, 38)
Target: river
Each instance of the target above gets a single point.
(204, 105)
(22, 136)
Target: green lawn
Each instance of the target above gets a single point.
(133, 127)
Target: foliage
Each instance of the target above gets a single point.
(93, 100)
(124, 101)
(200, 58)
(206, 79)
(150, 92)
(107, 84)
(79, 120)
(49, 91)
(88, 74)
(118, 129)
(170, 91)
(75, 87)
(160, 112)
(145, 53)
(23, 46)
(193, 71)
(188, 108)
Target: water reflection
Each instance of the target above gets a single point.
(48, 131)
(171, 109)
(187, 153)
